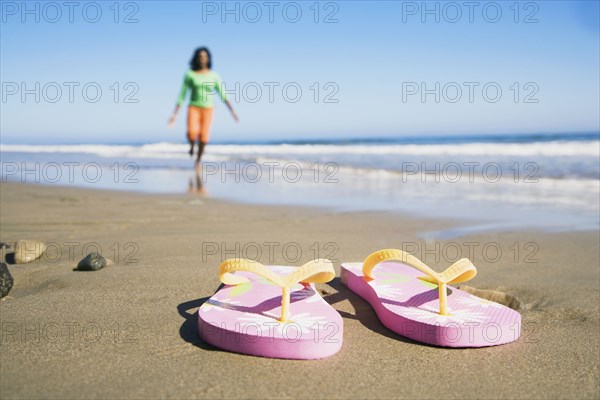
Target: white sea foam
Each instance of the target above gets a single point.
(590, 148)
(557, 148)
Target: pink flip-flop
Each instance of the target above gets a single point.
(424, 308)
(272, 311)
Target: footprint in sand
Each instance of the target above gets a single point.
(493, 295)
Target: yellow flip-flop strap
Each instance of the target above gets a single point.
(461, 271)
(316, 271)
(228, 267)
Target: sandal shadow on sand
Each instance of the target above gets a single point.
(416, 302)
(272, 311)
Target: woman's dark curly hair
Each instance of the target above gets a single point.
(195, 61)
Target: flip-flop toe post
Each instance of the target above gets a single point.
(272, 311)
(414, 301)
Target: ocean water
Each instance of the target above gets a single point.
(501, 182)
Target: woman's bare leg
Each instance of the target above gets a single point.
(199, 156)
(191, 142)
(200, 150)
(193, 127)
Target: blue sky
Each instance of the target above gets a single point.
(373, 57)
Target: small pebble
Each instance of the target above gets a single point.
(6, 280)
(92, 262)
(27, 251)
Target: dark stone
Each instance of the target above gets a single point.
(92, 262)
(6, 280)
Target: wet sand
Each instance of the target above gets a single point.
(129, 330)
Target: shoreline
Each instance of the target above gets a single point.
(492, 186)
(452, 228)
(145, 310)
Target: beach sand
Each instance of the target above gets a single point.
(129, 330)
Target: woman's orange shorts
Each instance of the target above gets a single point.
(199, 123)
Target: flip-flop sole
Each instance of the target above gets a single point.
(244, 319)
(409, 307)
